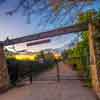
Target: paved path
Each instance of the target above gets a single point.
(52, 90)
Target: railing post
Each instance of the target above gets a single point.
(4, 79)
(58, 73)
(93, 66)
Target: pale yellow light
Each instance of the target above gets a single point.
(25, 57)
(57, 55)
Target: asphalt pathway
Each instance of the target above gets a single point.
(70, 89)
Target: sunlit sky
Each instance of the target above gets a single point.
(16, 26)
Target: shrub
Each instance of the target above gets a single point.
(19, 69)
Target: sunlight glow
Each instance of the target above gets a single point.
(26, 57)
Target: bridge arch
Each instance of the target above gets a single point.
(4, 81)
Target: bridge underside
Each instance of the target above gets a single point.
(57, 32)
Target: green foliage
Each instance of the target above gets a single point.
(24, 68)
(64, 55)
(46, 56)
(97, 38)
(79, 55)
(82, 49)
(97, 17)
(86, 16)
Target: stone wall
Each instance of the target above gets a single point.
(97, 49)
(93, 60)
(4, 79)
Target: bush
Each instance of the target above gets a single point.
(19, 69)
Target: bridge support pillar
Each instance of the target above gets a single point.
(93, 65)
(4, 79)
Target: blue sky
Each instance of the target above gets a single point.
(16, 25)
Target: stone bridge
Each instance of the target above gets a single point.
(4, 79)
